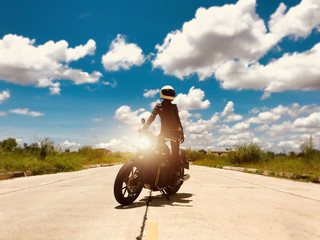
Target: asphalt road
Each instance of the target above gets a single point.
(213, 204)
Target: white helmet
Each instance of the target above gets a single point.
(167, 92)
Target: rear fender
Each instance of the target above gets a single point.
(183, 158)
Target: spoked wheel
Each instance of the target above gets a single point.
(128, 184)
(175, 189)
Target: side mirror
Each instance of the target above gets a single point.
(143, 121)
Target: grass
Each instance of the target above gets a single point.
(305, 168)
(47, 159)
(20, 160)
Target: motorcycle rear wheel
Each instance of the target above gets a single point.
(175, 189)
(128, 184)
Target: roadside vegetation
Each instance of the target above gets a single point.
(45, 157)
(302, 166)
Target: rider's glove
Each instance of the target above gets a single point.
(182, 138)
(144, 128)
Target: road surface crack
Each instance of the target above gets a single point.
(145, 217)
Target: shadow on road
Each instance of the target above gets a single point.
(142, 203)
(178, 199)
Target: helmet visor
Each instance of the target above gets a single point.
(168, 92)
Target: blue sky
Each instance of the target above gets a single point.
(84, 73)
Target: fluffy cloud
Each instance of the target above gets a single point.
(123, 145)
(112, 145)
(150, 93)
(311, 122)
(279, 75)
(269, 128)
(25, 63)
(295, 142)
(278, 112)
(237, 128)
(122, 55)
(132, 118)
(229, 114)
(286, 72)
(113, 83)
(70, 145)
(201, 125)
(213, 37)
(192, 100)
(298, 21)
(237, 139)
(4, 95)
(25, 111)
(2, 114)
(228, 41)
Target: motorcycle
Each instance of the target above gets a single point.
(151, 168)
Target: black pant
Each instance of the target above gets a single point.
(175, 155)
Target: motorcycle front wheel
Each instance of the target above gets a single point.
(128, 184)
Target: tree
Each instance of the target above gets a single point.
(9, 144)
(47, 146)
(307, 148)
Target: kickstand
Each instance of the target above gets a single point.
(166, 195)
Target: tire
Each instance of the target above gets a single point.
(175, 189)
(128, 184)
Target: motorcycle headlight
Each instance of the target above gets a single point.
(144, 142)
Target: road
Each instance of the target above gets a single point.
(213, 204)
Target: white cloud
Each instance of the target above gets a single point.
(289, 145)
(295, 142)
(2, 114)
(4, 95)
(228, 109)
(298, 21)
(214, 36)
(184, 115)
(228, 112)
(150, 93)
(262, 128)
(311, 122)
(97, 119)
(153, 104)
(123, 145)
(200, 126)
(122, 55)
(132, 118)
(269, 128)
(228, 41)
(235, 129)
(279, 75)
(278, 112)
(254, 110)
(191, 101)
(25, 111)
(233, 118)
(70, 145)
(236, 139)
(113, 83)
(200, 141)
(25, 63)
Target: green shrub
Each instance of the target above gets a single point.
(246, 154)
(195, 155)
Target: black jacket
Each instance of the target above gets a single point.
(170, 120)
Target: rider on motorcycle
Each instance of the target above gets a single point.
(170, 126)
